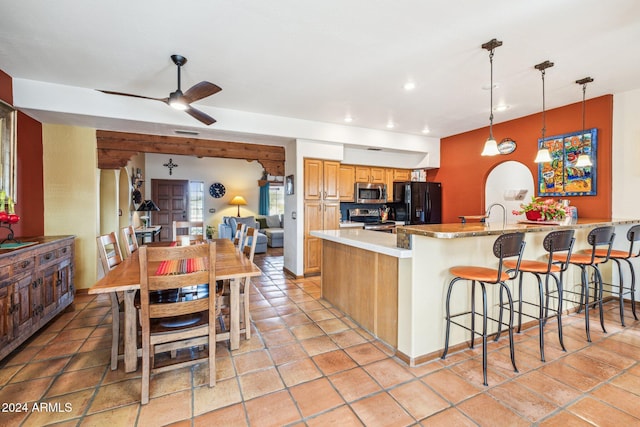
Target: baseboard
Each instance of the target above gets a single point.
(291, 274)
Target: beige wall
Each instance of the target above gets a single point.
(70, 193)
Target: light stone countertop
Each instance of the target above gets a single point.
(374, 241)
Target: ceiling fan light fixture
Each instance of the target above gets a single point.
(176, 100)
(491, 146)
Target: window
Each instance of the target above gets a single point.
(276, 199)
(196, 204)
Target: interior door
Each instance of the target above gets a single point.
(172, 197)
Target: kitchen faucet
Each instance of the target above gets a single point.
(504, 213)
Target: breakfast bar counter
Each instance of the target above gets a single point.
(398, 293)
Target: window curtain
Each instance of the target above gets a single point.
(264, 200)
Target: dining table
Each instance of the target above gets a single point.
(231, 265)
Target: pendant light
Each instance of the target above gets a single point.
(583, 159)
(491, 146)
(543, 155)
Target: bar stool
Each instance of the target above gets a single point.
(617, 256)
(506, 246)
(554, 242)
(600, 239)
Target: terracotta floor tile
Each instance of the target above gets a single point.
(25, 391)
(426, 368)
(304, 332)
(163, 410)
(298, 372)
(388, 372)
(334, 361)
(275, 410)
(365, 353)
(602, 371)
(342, 416)
(115, 395)
(524, 402)
(604, 355)
(451, 386)
(252, 361)
(21, 357)
(570, 376)
(231, 416)
(320, 315)
(296, 319)
(354, 384)
(332, 326)
(77, 380)
(380, 409)
(288, 309)
(76, 402)
(277, 337)
(448, 418)
(58, 349)
(89, 359)
(271, 324)
(8, 372)
(41, 369)
(564, 419)
(318, 345)
(224, 393)
(259, 383)
(97, 343)
(170, 382)
(347, 338)
(601, 414)
(315, 396)
(628, 382)
(287, 353)
(619, 398)
(418, 399)
(471, 370)
(553, 390)
(486, 411)
(125, 415)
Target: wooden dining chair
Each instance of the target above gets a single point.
(110, 256)
(249, 251)
(185, 323)
(239, 236)
(179, 228)
(130, 240)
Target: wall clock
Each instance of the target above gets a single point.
(217, 190)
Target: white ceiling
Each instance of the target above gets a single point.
(323, 60)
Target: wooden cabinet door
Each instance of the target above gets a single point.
(23, 314)
(346, 183)
(331, 216)
(64, 281)
(378, 175)
(331, 180)
(363, 174)
(48, 297)
(6, 307)
(402, 175)
(388, 174)
(312, 216)
(312, 254)
(313, 179)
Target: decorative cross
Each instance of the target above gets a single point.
(170, 165)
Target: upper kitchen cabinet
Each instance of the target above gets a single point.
(401, 175)
(373, 175)
(321, 180)
(346, 185)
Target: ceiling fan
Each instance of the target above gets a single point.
(182, 101)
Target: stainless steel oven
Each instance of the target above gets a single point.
(371, 220)
(370, 193)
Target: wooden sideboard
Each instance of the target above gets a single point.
(36, 283)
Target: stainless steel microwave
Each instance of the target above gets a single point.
(370, 193)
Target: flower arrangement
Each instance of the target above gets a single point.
(542, 210)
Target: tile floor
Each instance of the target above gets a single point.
(308, 364)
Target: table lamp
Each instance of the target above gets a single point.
(238, 200)
(148, 206)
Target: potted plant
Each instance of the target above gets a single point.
(542, 210)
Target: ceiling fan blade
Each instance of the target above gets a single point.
(199, 115)
(165, 100)
(201, 90)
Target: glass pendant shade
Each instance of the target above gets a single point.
(583, 159)
(490, 147)
(543, 156)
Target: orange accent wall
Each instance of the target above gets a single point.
(30, 205)
(463, 172)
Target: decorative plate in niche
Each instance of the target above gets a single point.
(507, 146)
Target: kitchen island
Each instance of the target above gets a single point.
(374, 276)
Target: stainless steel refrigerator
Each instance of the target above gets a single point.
(422, 201)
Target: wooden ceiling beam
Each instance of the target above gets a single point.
(115, 149)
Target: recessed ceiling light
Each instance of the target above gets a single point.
(426, 130)
(186, 132)
(348, 119)
(390, 125)
(488, 86)
(374, 149)
(501, 107)
(409, 86)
